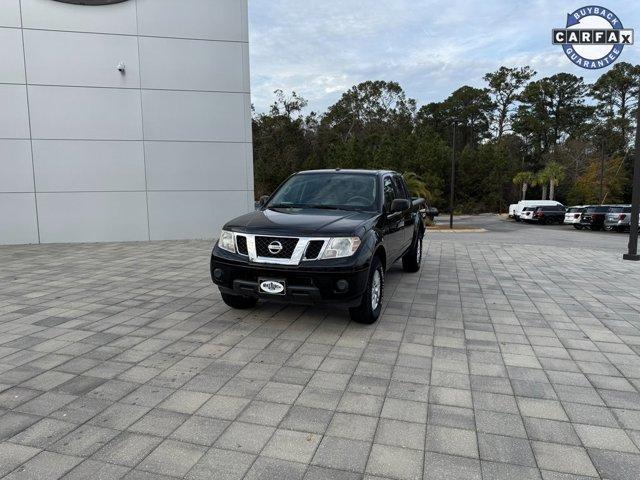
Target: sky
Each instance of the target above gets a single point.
(320, 48)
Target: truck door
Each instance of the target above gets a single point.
(407, 216)
(394, 224)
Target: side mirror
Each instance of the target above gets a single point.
(400, 205)
(263, 201)
(433, 212)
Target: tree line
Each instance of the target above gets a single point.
(518, 136)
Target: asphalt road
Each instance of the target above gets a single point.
(507, 231)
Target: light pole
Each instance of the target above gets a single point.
(632, 254)
(602, 173)
(453, 175)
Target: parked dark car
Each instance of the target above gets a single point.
(594, 215)
(324, 236)
(548, 214)
(429, 212)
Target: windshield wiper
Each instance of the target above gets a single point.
(284, 205)
(325, 207)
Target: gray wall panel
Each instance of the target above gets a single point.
(192, 214)
(10, 13)
(207, 19)
(81, 59)
(195, 166)
(18, 218)
(92, 216)
(244, 6)
(196, 116)
(166, 144)
(246, 76)
(85, 113)
(12, 64)
(191, 65)
(45, 14)
(66, 166)
(16, 170)
(14, 116)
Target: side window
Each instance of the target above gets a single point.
(389, 192)
(400, 188)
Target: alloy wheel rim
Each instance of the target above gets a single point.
(376, 289)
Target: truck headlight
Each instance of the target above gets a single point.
(226, 241)
(341, 247)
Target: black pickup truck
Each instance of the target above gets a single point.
(323, 237)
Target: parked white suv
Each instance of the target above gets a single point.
(572, 216)
(532, 203)
(527, 213)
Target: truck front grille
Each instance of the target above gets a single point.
(241, 242)
(287, 246)
(313, 249)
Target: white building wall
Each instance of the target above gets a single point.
(89, 154)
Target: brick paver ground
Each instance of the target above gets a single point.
(494, 362)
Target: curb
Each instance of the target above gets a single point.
(466, 230)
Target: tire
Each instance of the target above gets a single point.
(369, 310)
(238, 302)
(411, 260)
(578, 227)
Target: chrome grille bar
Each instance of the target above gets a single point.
(296, 257)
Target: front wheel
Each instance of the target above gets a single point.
(238, 301)
(371, 304)
(411, 260)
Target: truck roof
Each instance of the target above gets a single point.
(360, 171)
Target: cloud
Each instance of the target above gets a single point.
(320, 48)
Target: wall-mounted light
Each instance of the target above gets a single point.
(122, 68)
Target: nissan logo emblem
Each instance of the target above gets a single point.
(275, 247)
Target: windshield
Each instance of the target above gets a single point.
(615, 210)
(344, 191)
(598, 209)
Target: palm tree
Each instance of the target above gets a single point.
(524, 179)
(417, 186)
(542, 178)
(554, 172)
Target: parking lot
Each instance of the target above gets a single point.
(512, 354)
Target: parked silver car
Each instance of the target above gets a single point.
(618, 218)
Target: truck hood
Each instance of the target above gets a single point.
(302, 222)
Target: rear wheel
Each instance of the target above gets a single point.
(371, 304)
(238, 301)
(411, 260)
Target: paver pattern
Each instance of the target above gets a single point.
(495, 361)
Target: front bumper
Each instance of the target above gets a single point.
(616, 224)
(306, 284)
